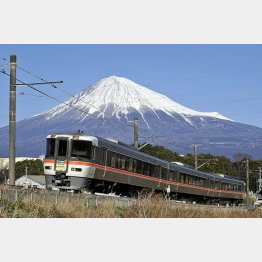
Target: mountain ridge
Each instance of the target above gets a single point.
(108, 107)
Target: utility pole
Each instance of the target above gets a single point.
(26, 173)
(247, 174)
(259, 181)
(136, 132)
(12, 113)
(12, 120)
(195, 154)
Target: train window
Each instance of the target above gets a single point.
(181, 178)
(129, 164)
(122, 164)
(139, 167)
(117, 163)
(114, 160)
(62, 148)
(108, 160)
(81, 149)
(146, 169)
(171, 175)
(50, 147)
(195, 181)
(151, 171)
(135, 166)
(186, 181)
(99, 155)
(163, 173)
(156, 172)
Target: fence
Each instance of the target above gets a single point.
(58, 197)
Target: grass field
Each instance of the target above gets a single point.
(153, 207)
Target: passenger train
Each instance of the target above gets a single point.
(77, 161)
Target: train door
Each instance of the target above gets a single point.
(61, 163)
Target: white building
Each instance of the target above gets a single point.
(31, 181)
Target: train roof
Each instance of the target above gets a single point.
(192, 171)
(133, 152)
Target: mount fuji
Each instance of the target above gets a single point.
(107, 109)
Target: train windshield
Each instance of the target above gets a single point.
(62, 148)
(81, 149)
(50, 147)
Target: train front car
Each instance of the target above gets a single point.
(68, 161)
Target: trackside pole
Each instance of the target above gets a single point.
(12, 120)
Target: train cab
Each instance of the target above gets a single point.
(68, 160)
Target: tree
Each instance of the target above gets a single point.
(3, 171)
(34, 167)
(162, 153)
(215, 164)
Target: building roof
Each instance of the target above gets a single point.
(38, 179)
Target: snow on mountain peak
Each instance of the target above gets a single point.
(119, 96)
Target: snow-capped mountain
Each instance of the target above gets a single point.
(118, 96)
(108, 108)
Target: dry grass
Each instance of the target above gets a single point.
(145, 207)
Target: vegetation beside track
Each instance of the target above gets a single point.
(144, 207)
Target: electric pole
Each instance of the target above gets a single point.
(195, 154)
(247, 174)
(259, 181)
(12, 120)
(12, 113)
(136, 132)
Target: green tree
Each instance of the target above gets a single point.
(34, 167)
(213, 164)
(162, 153)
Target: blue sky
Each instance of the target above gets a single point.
(221, 78)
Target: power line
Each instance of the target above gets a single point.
(173, 143)
(54, 86)
(70, 105)
(103, 119)
(166, 107)
(53, 98)
(72, 96)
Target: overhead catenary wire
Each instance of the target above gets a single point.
(53, 98)
(72, 96)
(104, 119)
(83, 111)
(166, 107)
(54, 86)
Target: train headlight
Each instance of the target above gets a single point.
(76, 169)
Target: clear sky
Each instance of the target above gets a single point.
(208, 78)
